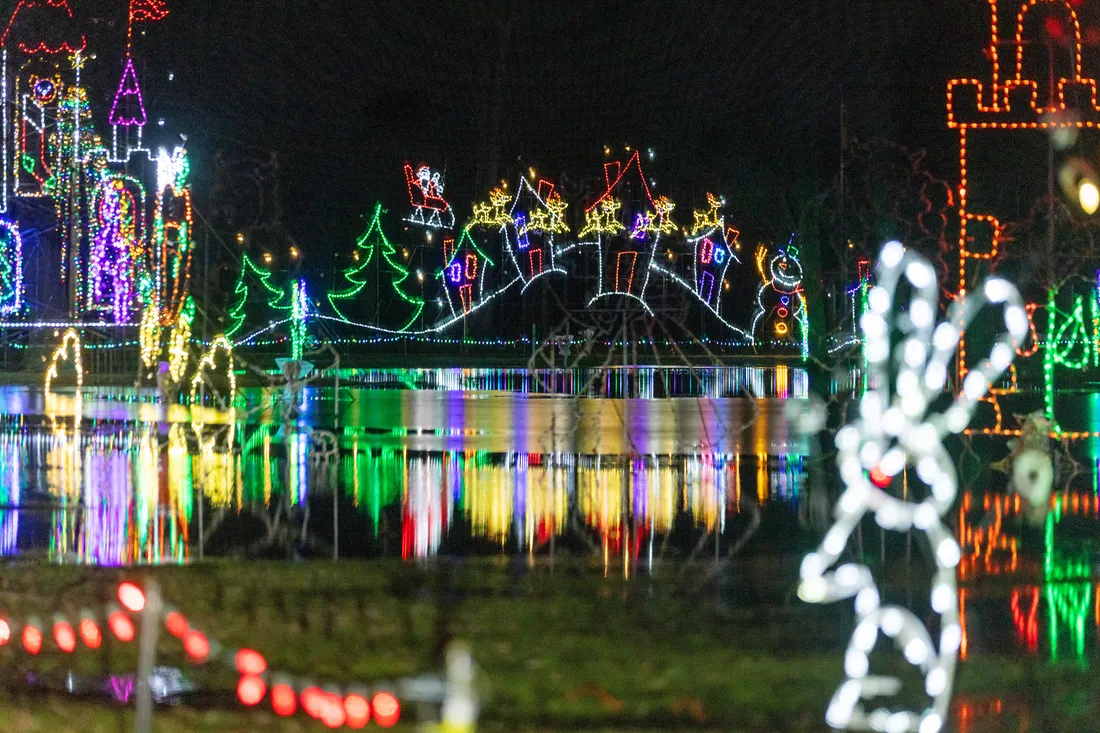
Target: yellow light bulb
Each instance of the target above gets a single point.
(1089, 196)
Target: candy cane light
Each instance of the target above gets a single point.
(896, 429)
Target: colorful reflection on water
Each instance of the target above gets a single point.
(510, 469)
(1065, 600)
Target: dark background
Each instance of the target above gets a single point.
(740, 98)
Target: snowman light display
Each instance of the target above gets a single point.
(780, 306)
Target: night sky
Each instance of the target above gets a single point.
(739, 98)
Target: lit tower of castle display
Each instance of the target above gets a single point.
(1035, 99)
(114, 255)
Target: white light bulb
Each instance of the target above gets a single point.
(1016, 320)
(891, 253)
(950, 638)
(865, 636)
(948, 553)
(920, 274)
(943, 597)
(892, 621)
(866, 601)
(921, 314)
(936, 682)
(856, 664)
(935, 375)
(813, 590)
(916, 651)
(975, 385)
(915, 353)
(847, 575)
(945, 336)
(997, 290)
(878, 300)
(925, 516)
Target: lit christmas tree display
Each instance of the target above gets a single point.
(253, 288)
(347, 302)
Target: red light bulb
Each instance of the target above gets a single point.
(250, 662)
(332, 711)
(176, 624)
(131, 597)
(387, 711)
(357, 709)
(313, 701)
(251, 690)
(65, 637)
(90, 634)
(32, 640)
(196, 645)
(284, 701)
(121, 626)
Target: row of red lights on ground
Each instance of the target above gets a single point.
(326, 705)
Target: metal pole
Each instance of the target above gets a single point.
(147, 651)
(202, 533)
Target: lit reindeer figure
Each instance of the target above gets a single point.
(895, 430)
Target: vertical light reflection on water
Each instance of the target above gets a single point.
(10, 491)
(1068, 588)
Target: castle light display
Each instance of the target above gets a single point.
(1026, 93)
(117, 249)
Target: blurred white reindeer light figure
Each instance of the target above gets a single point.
(895, 430)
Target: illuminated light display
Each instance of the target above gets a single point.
(144, 10)
(128, 107)
(251, 690)
(11, 269)
(492, 213)
(37, 15)
(602, 219)
(223, 344)
(894, 431)
(464, 273)
(117, 251)
(627, 256)
(426, 195)
(196, 645)
(179, 341)
(536, 215)
(32, 639)
(61, 353)
(122, 626)
(131, 597)
(1015, 98)
(371, 241)
(172, 243)
(64, 636)
(243, 289)
(779, 300)
(284, 700)
(90, 634)
(714, 247)
(149, 335)
(387, 710)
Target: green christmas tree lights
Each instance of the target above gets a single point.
(358, 275)
(253, 278)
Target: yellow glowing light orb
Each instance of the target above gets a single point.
(1089, 196)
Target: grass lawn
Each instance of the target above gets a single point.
(567, 650)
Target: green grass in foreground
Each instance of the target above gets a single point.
(561, 651)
